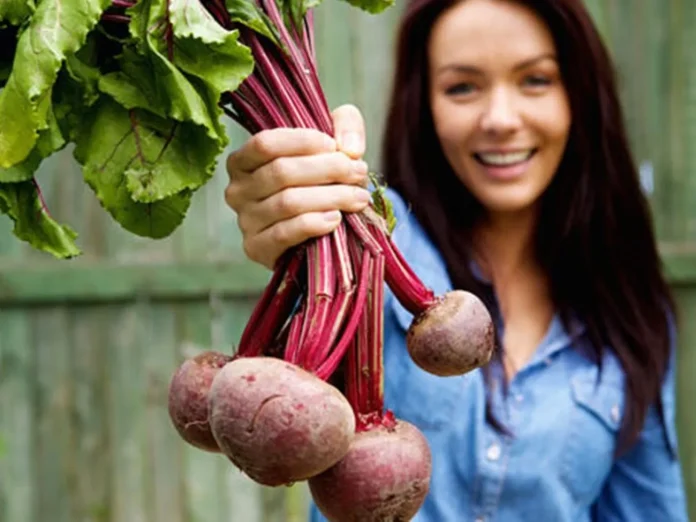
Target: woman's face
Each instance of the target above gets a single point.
(499, 106)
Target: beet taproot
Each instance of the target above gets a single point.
(188, 398)
(278, 423)
(452, 336)
(384, 477)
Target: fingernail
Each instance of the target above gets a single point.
(363, 195)
(351, 142)
(332, 216)
(360, 167)
(329, 143)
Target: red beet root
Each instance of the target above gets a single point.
(188, 398)
(277, 422)
(385, 477)
(452, 336)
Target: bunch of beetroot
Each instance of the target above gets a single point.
(302, 397)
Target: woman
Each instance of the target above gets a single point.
(512, 178)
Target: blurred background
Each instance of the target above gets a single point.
(87, 347)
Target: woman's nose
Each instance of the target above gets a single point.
(500, 115)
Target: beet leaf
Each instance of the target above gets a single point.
(15, 12)
(139, 88)
(22, 202)
(56, 29)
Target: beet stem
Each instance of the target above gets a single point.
(363, 233)
(276, 302)
(292, 346)
(345, 288)
(376, 315)
(402, 280)
(320, 296)
(357, 312)
(270, 73)
(117, 18)
(317, 320)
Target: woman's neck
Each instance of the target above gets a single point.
(506, 251)
(505, 245)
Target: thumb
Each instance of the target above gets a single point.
(349, 129)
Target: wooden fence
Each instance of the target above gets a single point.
(87, 347)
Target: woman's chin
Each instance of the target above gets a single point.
(508, 200)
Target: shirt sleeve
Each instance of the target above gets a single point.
(646, 483)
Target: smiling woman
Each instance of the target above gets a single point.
(498, 101)
(511, 177)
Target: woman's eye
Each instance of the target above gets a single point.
(537, 81)
(460, 88)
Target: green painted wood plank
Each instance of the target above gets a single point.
(91, 443)
(164, 486)
(225, 239)
(101, 282)
(372, 40)
(191, 240)
(274, 504)
(298, 503)
(52, 452)
(10, 246)
(599, 12)
(104, 282)
(680, 269)
(686, 390)
(16, 419)
(688, 194)
(675, 130)
(334, 52)
(127, 427)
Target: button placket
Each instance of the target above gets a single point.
(493, 472)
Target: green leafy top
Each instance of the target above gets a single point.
(136, 86)
(381, 203)
(371, 6)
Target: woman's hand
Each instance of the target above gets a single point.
(288, 185)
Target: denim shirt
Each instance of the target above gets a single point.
(558, 463)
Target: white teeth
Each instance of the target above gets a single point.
(505, 159)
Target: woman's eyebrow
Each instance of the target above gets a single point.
(464, 68)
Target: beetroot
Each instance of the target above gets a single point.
(188, 398)
(277, 422)
(452, 336)
(384, 477)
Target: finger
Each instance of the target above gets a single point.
(296, 201)
(269, 244)
(283, 173)
(267, 145)
(349, 129)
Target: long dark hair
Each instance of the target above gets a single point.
(595, 239)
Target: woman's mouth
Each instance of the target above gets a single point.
(505, 165)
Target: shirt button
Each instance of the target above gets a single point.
(480, 519)
(493, 452)
(519, 398)
(615, 413)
